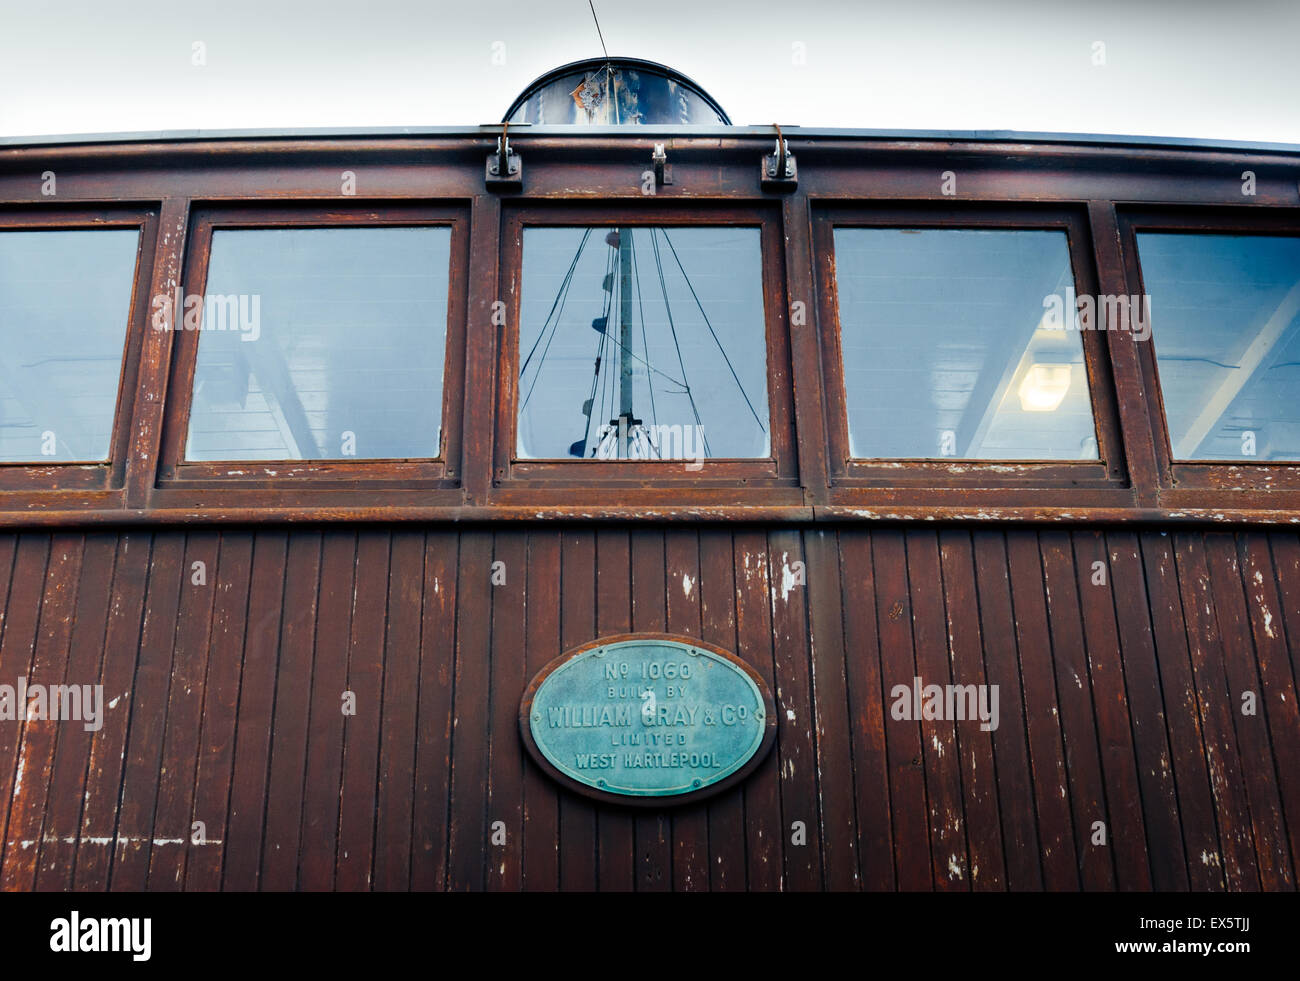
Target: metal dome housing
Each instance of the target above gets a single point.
(615, 92)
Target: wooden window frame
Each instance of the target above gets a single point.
(1107, 473)
(1264, 480)
(94, 475)
(440, 473)
(756, 479)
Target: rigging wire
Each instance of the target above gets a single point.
(721, 349)
(663, 286)
(645, 344)
(560, 298)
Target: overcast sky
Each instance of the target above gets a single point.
(1171, 67)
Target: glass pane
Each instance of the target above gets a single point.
(321, 344)
(65, 300)
(949, 349)
(642, 343)
(1225, 315)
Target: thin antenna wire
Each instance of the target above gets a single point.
(598, 33)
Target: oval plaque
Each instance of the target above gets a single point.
(639, 718)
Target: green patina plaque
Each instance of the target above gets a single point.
(647, 717)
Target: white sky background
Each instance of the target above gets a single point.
(1207, 70)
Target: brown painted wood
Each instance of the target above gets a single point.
(36, 749)
(541, 831)
(1183, 713)
(690, 823)
(99, 815)
(354, 866)
(1159, 795)
(974, 745)
(282, 834)
(1126, 832)
(652, 832)
(1253, 737)
(249, 788)
(907, 789)
(180, 748)
(63, 811)
(1236, 836)
(1056, 831)
(222, 704)
(763, 828)
(1015, 777)
(509, 676)
(949, 849)
(318, 846)
(804, 863)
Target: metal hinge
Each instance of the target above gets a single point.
(505, 169)
(779, 171)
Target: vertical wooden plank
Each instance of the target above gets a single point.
(652, 831)
(94, 850)
(718, 623)
(1259, 773)
(907, 790)
(399, 725)
(1133, 613)
(839, 832)
(1126, 830)
(1286, 565)
(148, 701)
(1078, 722)
(509, 678)
(85, 667)
(690, 822)
(614, 616)
(763, 830)
(17, 647)
(180, 750)
(321, 778)
(948, 848)
(220, 702)
(578, 831)
(1278, 697)
(1015, 778)
(867, 715)
(541, 796)
(1043, 723)
(267, 611)
(39, 735)
(974, 743)
(282, 835)
(1217, 706)
(1196, 808)
(471, 730)
(799, 790)
(433, 739)
(358, 799)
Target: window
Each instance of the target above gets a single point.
(643, 343)
(65, 299)
(955, 344)
(1225, 314)
(321, 344)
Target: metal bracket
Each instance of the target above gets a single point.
(505, 169)
(663, 172)
(778, 170)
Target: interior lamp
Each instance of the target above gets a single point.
(1044, 386)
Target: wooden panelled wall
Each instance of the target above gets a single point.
(1119, 703)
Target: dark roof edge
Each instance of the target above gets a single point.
(581, 132)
